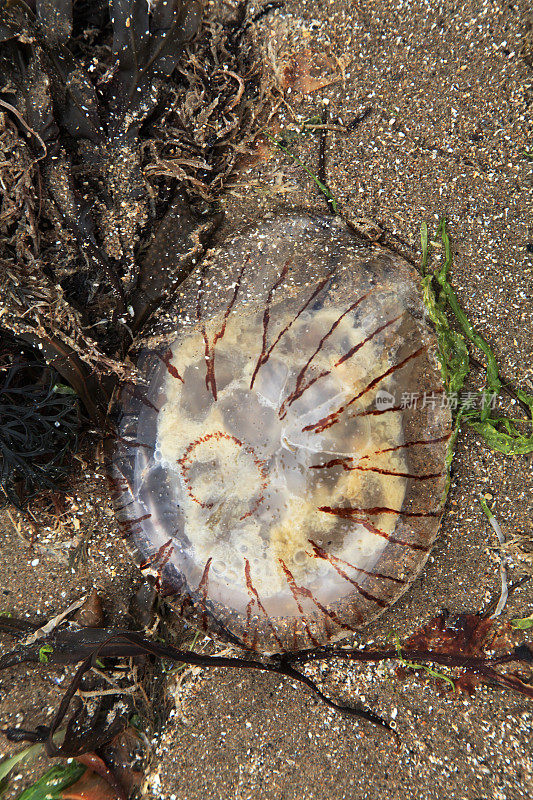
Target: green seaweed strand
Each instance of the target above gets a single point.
(323, 188)
(434, 673)
(44, 653)
(454, 360)
(500, 432)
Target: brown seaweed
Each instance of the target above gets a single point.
(457, 641)
(103, 152)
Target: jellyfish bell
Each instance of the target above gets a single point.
(279, 462)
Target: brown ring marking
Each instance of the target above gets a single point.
(218, 435)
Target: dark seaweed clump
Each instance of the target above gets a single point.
(38, 425)
(120, 125)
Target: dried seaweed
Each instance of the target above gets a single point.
(332, 202)
(213, 118)
(106, 115)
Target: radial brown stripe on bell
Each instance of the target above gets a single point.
(300, 386)
(334, 417)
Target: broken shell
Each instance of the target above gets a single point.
(279, 465)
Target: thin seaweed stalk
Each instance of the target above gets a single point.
(89, 646)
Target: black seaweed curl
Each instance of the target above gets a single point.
(38, 425)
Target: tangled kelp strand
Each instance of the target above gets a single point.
(452, 641)
(38, 425)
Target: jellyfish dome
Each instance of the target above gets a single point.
(279, 460)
